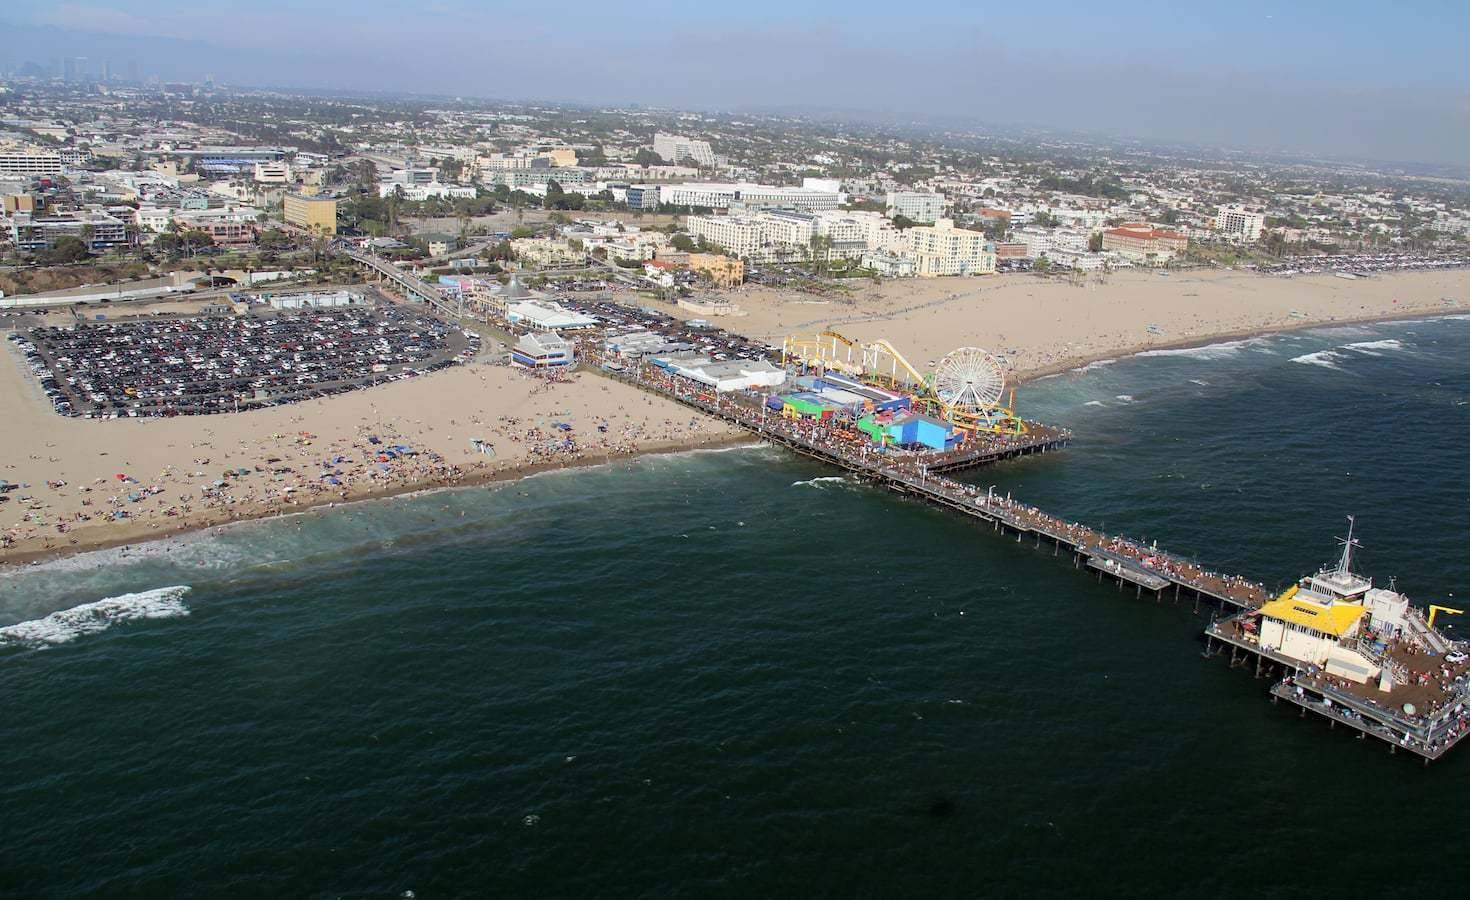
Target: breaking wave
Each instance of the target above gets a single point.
(1323, 358)
(67, 625)
(1208, 351)
(818, 482)
(1372, 348)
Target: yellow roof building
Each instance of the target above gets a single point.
(1335, 620)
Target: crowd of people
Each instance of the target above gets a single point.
(229, 483)
(193, 365)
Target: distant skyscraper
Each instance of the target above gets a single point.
(133, 71)
(69, 69)
(107, 70)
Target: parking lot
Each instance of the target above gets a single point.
(194, 365)
(716, 343)
(1364, 264)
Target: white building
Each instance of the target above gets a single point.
(942, 249)
(316, 300)
(153, 218)
(830, 185)
(879, 233)
(417, 175)
(917, 207)
(272, 171)
(1080, 260)
(724, 195)
(737, 375)
(783, 234)
(676, 148)
(889, 265)
(543, 350)
(786, 229)
(741, 236)
(499, 162)
(1042, 241)
(421, 192)
(546, 316)
(29, 162)
(1239, 223)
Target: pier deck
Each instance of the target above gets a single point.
(1145, 567)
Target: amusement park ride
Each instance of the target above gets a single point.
(967, 388)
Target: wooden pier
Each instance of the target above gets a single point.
(1146, 568)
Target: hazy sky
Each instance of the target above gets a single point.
(1356, 79)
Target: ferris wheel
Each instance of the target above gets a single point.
(969, 380)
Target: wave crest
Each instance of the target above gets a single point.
(67, 625)
(1323, 358)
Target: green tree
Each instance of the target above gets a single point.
(364, 172)
(902, 222)
(67, 249)
(1094, 243)
(646, 157)
(684, 243)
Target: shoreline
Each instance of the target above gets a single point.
(18, 560)
(1028, 376)
(478, 473)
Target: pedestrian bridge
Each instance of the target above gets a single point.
(411, 286)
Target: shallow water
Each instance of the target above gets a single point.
(739, 674)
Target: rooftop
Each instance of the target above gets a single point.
(1335, 619)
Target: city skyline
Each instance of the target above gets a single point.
(1342, 81)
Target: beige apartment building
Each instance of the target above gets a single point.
(942, 249)
(723, 271)
(315, 214)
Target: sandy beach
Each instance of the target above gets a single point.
(200, 471)
(87, 484)
(1045, 324)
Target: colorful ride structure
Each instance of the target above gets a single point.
(966, 388)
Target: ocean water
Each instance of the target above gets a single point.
(738, 674)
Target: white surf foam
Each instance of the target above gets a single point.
(67, 625)
(1341, 331)
(818, 482)
(1323, 358)
(1372, 348)
(1221, 350)
(1199, 381)
(1095, 364)
(1126, 398)
(1093, 403)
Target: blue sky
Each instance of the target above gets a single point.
(1358, 79)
